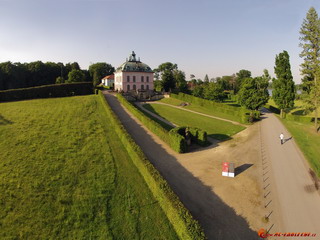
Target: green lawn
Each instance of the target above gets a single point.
(202, 109)
(64, 174)
(217, 129)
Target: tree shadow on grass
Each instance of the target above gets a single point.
(4, 121)
(218, 220)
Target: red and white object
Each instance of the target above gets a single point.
(228, 169)
(225, 169)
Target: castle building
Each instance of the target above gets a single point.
(133, 75)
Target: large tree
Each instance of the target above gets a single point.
(76, 76)
(283, 92)
(166, 72)
(99, 70)
(310, 68)
(253, 93)
(241, 76)
(214, 91)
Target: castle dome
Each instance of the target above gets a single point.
(134, 65)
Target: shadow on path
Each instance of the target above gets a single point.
(218, 219)
(242, 168)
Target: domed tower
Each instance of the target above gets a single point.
(133, 75)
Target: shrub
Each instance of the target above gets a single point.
(197, 135)
(47, 91)
(181, 219)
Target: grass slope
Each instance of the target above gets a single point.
(216, 129)
(201, 109)
(64, 174)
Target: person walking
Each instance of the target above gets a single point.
(281, 138)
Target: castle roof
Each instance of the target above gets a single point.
(134, 65)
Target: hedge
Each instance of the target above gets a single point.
(184, 224)
(234, 113)
(197, 135)
(47, 91)
(301, 119)
(174, 140)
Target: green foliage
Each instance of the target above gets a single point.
(75, 76)
(47, 91)
(217, 129)
(253, 93)
(70, 177)
(168, 81)
(197, 135)
(214, 91)
(213, 108)
(60, 80)
(99, 70)
(241, 76)
(176, 142)
(180, 80)
(283, 92)
(206, 79)
(198, 91)
(181, 219)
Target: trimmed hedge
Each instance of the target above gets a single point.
(47, 91)
(184, 224)
(301, 119)
(197, 135)
(272, 108)
(174, 140)
(234, 113)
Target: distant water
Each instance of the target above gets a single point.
(270, 91)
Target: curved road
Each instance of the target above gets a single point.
(294, 201)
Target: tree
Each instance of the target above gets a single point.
(166, 73)
(180, 80)
(76, 76)
(241, 75)
(99, 70)
(206, 79)
(310, 68)
(283, 92)
(253, 94)
(198, 91)
(168, 81)
(59, 80)
(214, 91)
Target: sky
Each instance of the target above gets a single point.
(214, 37)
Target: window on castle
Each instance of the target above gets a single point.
(147, 78)
(147, 86)
(142, 87)
(142, 79)
(134, 87)
(128, 78)
(128, 87)
(134, 78)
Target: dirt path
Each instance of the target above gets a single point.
(203, 114)
(295, 203)
(227, 208)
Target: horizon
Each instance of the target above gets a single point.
(217, 38)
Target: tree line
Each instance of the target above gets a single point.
(23, 75)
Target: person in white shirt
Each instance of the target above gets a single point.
(281, 138)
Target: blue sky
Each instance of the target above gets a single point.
(214, 37)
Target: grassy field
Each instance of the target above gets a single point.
(201, 109)
(216, 129)
(64, 174)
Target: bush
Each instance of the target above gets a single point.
(180, 218)
(235, 113)
(47, 91)
(197, 135)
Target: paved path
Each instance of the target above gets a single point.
(294, 201)
(218, 219)
(203, 114)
